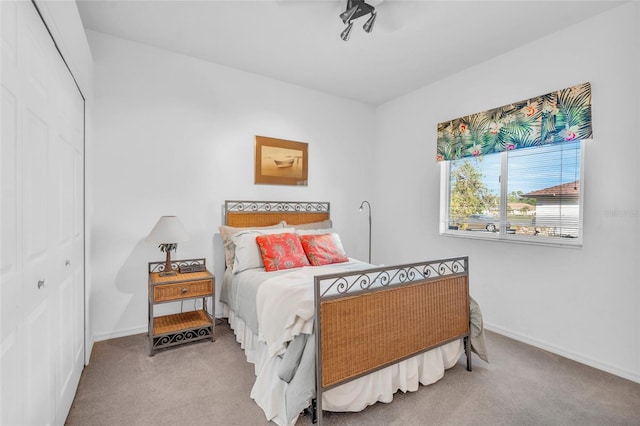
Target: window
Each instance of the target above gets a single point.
(532, 194)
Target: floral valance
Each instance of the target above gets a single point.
(564, 115)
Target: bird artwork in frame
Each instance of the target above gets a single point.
(281, 162)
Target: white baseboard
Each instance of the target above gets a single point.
(106, 336)
(88, 350)
(629, 375)
(120, 333)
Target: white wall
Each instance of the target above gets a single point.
(175, 135)
(581, 303)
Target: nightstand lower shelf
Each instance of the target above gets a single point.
(172, 323)
(176, 329)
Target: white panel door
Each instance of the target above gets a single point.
(68, 238)
(42, 288)
(11, 243)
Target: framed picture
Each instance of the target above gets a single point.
(281, 162)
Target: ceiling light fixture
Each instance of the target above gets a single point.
(354, 10)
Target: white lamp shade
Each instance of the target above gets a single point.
(168, 230)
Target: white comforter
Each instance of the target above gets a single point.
(285, 307)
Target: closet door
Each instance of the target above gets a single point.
(67, 239)
(42, 224)
(11, 242)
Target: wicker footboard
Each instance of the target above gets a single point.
(371, 319)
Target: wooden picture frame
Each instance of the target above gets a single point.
(281, 162)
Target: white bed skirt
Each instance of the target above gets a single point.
(268, 390)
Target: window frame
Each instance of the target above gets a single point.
(502, 234)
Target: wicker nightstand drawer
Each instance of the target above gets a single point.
(176, 291)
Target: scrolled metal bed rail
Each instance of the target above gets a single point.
(335, 285)
(276, 206)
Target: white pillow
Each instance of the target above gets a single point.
(226, 232)
(334, 236)
(247, 250)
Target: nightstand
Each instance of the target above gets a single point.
(187, 326)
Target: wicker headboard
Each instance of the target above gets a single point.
(243, 214)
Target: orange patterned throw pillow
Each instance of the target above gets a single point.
(281, 251)
(322, 250)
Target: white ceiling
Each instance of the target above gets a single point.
(413, 43)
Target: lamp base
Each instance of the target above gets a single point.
(168, 270)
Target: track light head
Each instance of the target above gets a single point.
(368, 26)
(347, 15)
(344, 35)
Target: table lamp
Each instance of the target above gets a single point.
(167, 233)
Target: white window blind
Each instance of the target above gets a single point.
(532, 194)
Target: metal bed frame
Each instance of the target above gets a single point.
(400, 311)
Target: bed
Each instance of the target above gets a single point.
(337, 336)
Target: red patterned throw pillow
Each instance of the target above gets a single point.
(322, 249)
(281, 251)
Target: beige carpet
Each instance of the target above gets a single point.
(209, 384)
